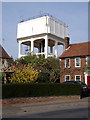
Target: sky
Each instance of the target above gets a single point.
(73, 14)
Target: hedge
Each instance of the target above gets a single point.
(39, 89)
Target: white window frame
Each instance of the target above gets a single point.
(87, 58)
(76, 76)
(79, 62)
(69, 77)
(65, 63)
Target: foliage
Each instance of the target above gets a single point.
(25, 75)
(50, 65)
(40, 89)
(43, 78)
(1, 77)
(32, 60)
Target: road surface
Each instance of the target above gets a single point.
(49, 109)
(66, 113)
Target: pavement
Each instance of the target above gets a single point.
(23, 106)
(6, 102)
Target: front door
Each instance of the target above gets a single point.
(88, 80)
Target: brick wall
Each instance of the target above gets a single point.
(72, 71)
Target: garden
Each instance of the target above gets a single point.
(35, 77)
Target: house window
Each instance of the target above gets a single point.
(77, 62)
(67, 77)
(77, 77)
(88, 61)
(67, 63)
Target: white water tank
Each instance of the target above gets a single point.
(42, 25)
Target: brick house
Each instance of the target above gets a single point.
(74, 62)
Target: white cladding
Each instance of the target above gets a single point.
(45, 24)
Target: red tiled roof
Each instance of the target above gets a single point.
(3, 53)
(79, 49)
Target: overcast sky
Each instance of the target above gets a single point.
(74, 14)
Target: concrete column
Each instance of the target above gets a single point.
(46, 46)
(20, 49)
(56, 49)
(39, 48)
(42, 45)
(51, 49)
(32, 46)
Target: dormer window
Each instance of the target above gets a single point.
(67, 63)
(77, 62)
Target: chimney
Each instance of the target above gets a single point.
(67, 39)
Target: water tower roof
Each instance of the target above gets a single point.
(42, 15)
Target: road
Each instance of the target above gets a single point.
(66, 113)
(49, 109)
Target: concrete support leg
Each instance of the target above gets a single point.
(32, 46)
(46, 46)
(43, 43)
(56, 49)
(39, 49)
(20, 49)
(51, 49)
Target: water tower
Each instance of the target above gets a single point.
(44, 33)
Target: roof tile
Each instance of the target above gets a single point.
(3, 53)
(79, 49)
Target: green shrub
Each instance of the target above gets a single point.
(50, 65)
(1, 77)
(39, 89)
(43, 78)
